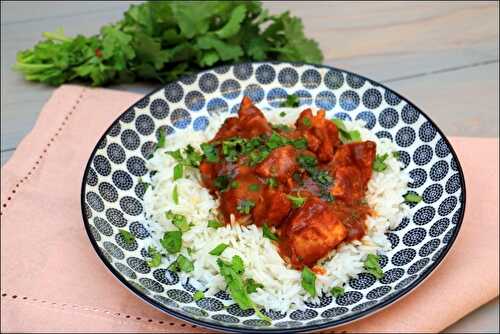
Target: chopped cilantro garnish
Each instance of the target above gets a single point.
(233, 275)
(282, 114)
(177, 155)
(254, 187)
(127, 237)
(307, 161)
(219, 249)
(161, 139)
(373, 266)
(272, 182)
(378, 164)
(252, 286)
(155, 257)
(297, 202)
(198, 295)
(175, 195)
(235, 184)
(309, 281)
(172, 241)
(180, 221)
(210, 152)
(299, 144)
(291, 101)
(345, 134)
(178, 171)
(182, 264)
(396, 154)
(245, 205)
(221, 182)
(296, 177)
(282, 127)
(267, 233)
(193, 158)
(306, 121)
(337, 291)
(215, 224)
(276, 141)
(412, 197)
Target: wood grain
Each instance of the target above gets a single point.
(441, 55)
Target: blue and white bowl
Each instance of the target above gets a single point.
(112, 191)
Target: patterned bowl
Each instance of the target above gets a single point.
(112, 192)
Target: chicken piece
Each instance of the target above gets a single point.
(352, 168)
(272, 207)
(208, 173)
(250, 122)
(253, 123)
(281, 163)
(321, 134)
(243, 188)
(312, 232)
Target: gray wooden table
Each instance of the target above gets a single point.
(443, 56)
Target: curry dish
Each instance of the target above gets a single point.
(303, 181)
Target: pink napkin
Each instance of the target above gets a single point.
(52, 280)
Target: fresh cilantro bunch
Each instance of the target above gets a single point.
(162, 40)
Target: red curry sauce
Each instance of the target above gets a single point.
(303, 181)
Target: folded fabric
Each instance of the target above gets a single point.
(52, 280)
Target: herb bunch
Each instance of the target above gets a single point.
(162, 40)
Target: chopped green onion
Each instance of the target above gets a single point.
(161, 139)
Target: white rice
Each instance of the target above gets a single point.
(282, 285)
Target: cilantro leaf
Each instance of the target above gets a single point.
(291, 101)
(162, 40)
(297, 202)
(412, 197)
(172, 241)
(178, 171)
(198, 295)
(180, 221)
(378, 164)
(219, 249)
(252, 286)
(373, 266)
(308, 281)
(127, 237)
(210, 152)
(215, 224)
(156, 257)
(337, 291)
(272, 182)
(267, 233)
(245, 205)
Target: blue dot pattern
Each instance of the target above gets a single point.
(113, 192)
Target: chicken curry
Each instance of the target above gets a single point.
(303, 180)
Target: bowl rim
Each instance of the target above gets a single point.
(328, 324)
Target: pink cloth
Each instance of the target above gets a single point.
(52, 280)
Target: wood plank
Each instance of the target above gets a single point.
(15, 12)
(334, 24)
